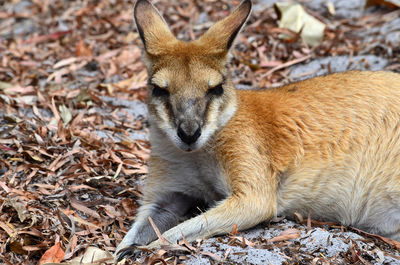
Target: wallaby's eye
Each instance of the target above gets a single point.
(218, 90)
(159, 91)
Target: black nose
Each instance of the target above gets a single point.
(187, 137)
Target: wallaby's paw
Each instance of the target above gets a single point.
(131, 251)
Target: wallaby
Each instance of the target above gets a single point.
(328, 145)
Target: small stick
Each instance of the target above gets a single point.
(287, 64)
(157, 231)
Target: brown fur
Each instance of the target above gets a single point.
(328, 145)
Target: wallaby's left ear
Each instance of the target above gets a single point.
(221, 35)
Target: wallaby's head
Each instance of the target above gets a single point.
(190, 91)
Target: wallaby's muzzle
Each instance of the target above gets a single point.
(189, 119)
(189, 132)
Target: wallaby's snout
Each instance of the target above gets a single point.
(189, 132)
(190, 114)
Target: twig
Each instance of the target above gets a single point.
(157, 231)
(287, 64)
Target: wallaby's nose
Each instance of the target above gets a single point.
(189, 134)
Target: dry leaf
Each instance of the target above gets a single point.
(244, 241)
(212, 255)
(389, 3)
(82, 49)
(65, 114)
(331, 8)
(77, 205)
(8, 228)
(128, 205)
(4, 85)
(93, 256)
(65, 62)
(20, 207)
(18, 90)
(234, 230)
(53, 254)
(294, 17)
(286, 235)
(17, 248)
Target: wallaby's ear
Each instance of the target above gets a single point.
(221, 35)
(151, 26)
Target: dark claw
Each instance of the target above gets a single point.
(129, 252)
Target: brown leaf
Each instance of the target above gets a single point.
(309, 221)
(212, 255)
(9, 230)
(65, 62)
(389, 3)
(129, 206)
(18, 90)
(17, 248)
(82, 49)
(244, 241)
(234, 230)
(84, 209)
(53, 254)
(49, 37)
(394, 243)
(290, 233)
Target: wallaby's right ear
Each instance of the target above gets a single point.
(152, 28)
(220, 36)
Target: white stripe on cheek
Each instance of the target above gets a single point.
(165, 120)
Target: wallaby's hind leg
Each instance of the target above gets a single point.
(166, 212)
(390, 223)
(396, 236)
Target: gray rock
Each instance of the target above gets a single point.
(387, 34)
(136, 108)
(20, 6)
(335, 64)
(343, 8)
(326, 242)
(11, 27)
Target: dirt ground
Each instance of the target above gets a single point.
(74, 134)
